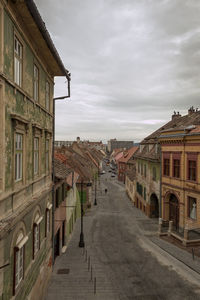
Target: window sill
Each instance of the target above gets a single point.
(191, 181)
(190, 219)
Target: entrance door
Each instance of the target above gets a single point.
(154, 206)
(63, 233)
(174, 211)
(57, 244)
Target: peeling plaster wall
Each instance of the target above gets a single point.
(18, 200)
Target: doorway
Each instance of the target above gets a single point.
(154, 206)
(174, 211)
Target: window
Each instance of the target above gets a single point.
(36, 156)
(57, 198)
(19, 260)
(36, 234)
(47, 221)
(144, 193)
(154, 173)
(19, 266)
(145, 170)
(47, 95)
(18, 62)
(192, 170)
(18, 156)
(166, 166)
(176, 168)
(35, 83)
(141, 169)
(47, 155)
(138, 167)
(192, 208)
(63, 192)
(139, 189)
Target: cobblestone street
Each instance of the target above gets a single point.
(120, 257)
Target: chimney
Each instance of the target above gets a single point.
(191, 110)
(176, 115)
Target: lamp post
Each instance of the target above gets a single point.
(95, 192)
(81, 242)
(95, 197)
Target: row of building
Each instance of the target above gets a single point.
(37, 210)
(165, 180)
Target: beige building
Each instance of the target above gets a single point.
(28, 64)
(181, 179)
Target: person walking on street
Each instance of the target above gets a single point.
(106, 191)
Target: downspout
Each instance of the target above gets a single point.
(53, 169)
(160, 205)
(184, 179)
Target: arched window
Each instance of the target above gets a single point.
(36, 234)
(48, 219)
(19, 251)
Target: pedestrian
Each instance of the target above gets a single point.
(106, 191)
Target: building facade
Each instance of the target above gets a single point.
(114, 144)
(181, 180)
(148, 178)
(125, 163)
(28, 64)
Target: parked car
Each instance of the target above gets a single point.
(109, 170)
(112, 175)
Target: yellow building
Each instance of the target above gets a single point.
(180, 186)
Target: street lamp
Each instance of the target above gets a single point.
(95, 192)
(81, 242)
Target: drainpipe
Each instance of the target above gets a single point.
(184, 178)
(53, 170)
(160, 205)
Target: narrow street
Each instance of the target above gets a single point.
(122, 266)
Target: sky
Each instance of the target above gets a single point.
(132, 63)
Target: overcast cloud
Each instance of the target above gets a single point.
(133, 62)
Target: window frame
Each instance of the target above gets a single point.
(176, 168)
(18, 58)
(36, 151)
(138, 167)
(189, 199)
(19, 260)
(18, 156)
(47, 95)
(145, 170)
(166, 166)
(154, 173)
(36, 235)
(57, 198)
(144, 196)
(36, 82)
(48, 222)
(191, 169)
(47, 155)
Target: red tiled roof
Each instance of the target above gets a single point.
(118, 156)
(128, 154)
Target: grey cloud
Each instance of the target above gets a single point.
(131, 60)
